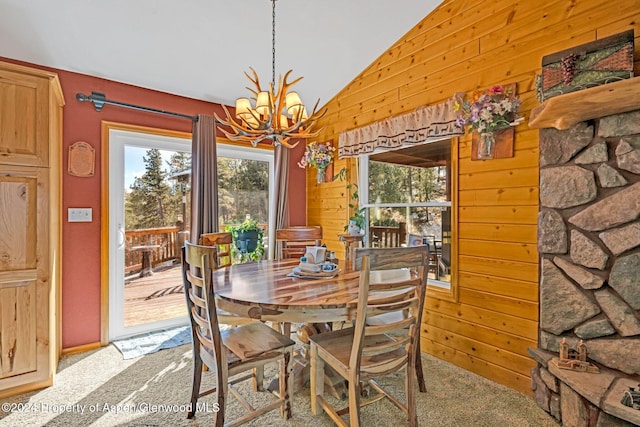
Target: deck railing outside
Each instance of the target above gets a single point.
(168, 241)
(166, 238)
(388, 237)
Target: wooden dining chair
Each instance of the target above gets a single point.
(223, 242)
(233, 351)
(391, 280)
(396, 315)
(292, 241)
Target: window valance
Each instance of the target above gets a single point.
(429, 122)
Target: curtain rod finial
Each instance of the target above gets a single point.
(97, 98)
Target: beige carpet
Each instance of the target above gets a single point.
(99, 388)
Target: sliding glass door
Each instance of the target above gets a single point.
(149, 220)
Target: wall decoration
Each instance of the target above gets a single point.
(82, 157)
(592, 64)
(491, 115)
(320, 156)
(500, 148)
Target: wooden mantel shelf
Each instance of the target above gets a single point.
(563, 111)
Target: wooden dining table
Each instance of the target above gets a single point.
(265, 291)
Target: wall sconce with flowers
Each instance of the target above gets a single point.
(320, 156)
(489, 114)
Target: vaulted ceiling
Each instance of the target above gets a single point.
(201, 48)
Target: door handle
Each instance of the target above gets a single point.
(121, 236)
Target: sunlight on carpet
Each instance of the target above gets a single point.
(151, 342)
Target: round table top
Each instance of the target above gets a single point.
(264, 290)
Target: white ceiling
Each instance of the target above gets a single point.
(201, 48)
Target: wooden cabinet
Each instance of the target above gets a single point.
(30, 222)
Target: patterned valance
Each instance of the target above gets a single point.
(428, 122)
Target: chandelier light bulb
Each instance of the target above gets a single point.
(262, 103)
(243, 107)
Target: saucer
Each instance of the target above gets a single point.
(319, 275)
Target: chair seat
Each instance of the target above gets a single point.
(340, 342)
(253, 340)
(249, 342)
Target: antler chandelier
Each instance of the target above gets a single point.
(278, 115)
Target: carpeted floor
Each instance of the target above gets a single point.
(100, 388)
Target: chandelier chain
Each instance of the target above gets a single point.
(278, 114)
(273, 42)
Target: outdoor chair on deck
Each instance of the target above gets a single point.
(292, 241)
(365, 352)
(231, 352)
(434, 256)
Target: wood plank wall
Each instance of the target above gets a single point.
(464, 45)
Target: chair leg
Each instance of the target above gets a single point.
(317, 380)
(354, 401)
(410, 373)
(196, 381)
(258, 378)
(420, 373)
(222, 390)
(286, 384)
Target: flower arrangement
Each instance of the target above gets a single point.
(490, 111)
(318, 154)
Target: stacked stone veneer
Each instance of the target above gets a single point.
(589, 243)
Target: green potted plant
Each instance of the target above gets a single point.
(247, 241)
(358, 219)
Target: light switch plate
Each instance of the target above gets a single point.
(80, 214)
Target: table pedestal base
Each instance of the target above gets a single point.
(301, 366)
(334, 384)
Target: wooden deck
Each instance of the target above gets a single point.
(153, 298)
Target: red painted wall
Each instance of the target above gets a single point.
(81, 241)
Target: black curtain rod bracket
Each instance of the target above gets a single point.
(99, 100)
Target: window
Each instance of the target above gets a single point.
(409, 192)
(245, 183)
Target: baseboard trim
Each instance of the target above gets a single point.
(81, 348)
(25, 388)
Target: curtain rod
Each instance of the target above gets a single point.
(99, 100)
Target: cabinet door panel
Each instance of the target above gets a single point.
(24, 131)
(17, 328)
(18, 222)
(24, 269)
